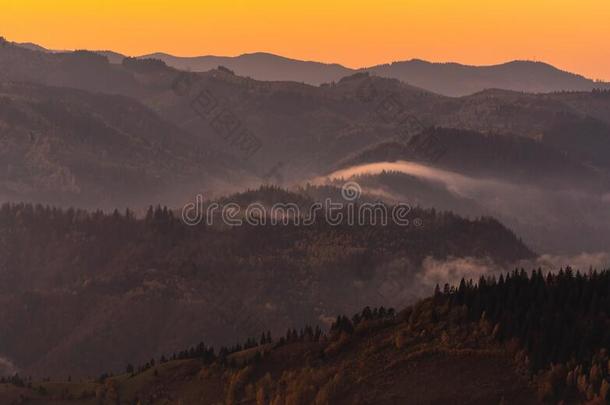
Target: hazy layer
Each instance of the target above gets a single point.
(549, 220)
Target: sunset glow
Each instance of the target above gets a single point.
(572, 35)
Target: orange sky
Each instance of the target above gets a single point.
(573, 35)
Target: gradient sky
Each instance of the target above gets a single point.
(570, 34)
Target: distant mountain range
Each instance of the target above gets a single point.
(490, 179)
(551, 147)
(454, 79)
(548, 148)
(261, 66)
(450, 79)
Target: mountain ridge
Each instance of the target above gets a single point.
(448, 78)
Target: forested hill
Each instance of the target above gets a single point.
(160, 285)
(519, 338)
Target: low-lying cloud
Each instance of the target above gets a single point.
(451, 271)
(401, 283)
(560, 221)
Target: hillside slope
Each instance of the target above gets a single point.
(70, 147)
(517, 339)
(69, 279)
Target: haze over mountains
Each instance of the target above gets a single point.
(499, 138)
(450, 79)
(496, 178)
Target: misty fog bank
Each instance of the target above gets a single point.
(557, 221)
